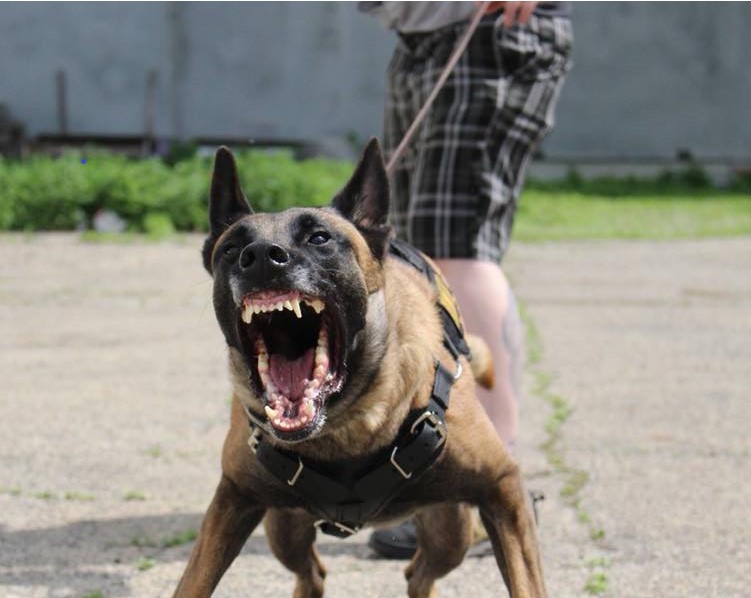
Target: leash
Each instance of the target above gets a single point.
(458, 51)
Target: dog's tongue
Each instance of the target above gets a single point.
(290, 375)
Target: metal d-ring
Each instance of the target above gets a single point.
(300, 467)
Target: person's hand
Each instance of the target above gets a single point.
(513, 12)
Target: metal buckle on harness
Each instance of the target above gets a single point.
(430, 418)
(300, 467)
(254, 439)
(344, 529)
(398, 467)
(433, 420)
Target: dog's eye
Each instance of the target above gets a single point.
(319, 238)
(231, 252)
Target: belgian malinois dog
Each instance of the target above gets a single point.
(337, 353)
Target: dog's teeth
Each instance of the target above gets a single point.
(320, 371)
(263, 369)
(316, 304)
(247, 314)
(321, 351)
(314, 384)
(272, 414)
(279, 306)
(307, 408)
(296, 307)
(321, 359)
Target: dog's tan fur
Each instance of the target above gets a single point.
(474, 467)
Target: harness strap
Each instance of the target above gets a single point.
(344, 508)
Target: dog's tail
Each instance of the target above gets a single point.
(481, 362)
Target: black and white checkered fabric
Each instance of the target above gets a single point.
(456, 188)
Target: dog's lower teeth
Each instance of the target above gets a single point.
(307, 408)
(271, 413)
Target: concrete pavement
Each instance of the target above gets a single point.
(114, 404)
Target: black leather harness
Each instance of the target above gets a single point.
(345, 495)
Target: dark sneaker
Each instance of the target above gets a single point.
(398, 542)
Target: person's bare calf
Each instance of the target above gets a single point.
(489, 311)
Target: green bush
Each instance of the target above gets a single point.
(691, 180)
(152, 196)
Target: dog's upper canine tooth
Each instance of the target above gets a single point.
(317, 305)
(247, 314)
(296, 307)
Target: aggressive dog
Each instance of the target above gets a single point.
(353, 402)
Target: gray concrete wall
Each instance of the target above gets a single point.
(650, 78)
(654, 77)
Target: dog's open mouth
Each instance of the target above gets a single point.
(291, 342)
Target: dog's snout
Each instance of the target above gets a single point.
(263, 255)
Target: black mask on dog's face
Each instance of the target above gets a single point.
(293, 290)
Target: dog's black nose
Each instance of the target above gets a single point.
(261, 255)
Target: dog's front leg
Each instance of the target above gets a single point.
(291, 536)
(230, 519)
(511, 529)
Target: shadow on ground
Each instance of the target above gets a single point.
(91, 553)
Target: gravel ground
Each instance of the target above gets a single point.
(115, 399)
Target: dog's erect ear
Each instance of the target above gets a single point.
(364, 200)
(226, 201)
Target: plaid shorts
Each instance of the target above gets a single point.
(455, 190)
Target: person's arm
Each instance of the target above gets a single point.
(513, 12)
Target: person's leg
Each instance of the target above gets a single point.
(488, 311)
(466, 172)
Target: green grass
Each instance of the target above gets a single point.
(597, 583)
(143, 542)
(185, 537)
(154, 451)
(573, 480)
(549, 215)
(145, 563)
(79, 496)
(44, 495)
(134, 495)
